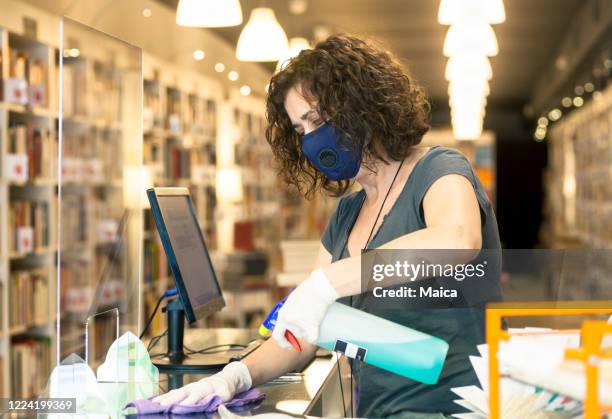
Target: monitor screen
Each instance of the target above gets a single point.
(196, 273)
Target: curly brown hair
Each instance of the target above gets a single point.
(362, 90)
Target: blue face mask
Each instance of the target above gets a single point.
(330, 152)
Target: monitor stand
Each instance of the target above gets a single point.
(175, 359)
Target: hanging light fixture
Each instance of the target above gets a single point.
(208, 13)
(469, 65)
(469, 41)
(470, 38)
(295, 46)
(456, 11)
(474, 88)
(467, 128)
(263, 38)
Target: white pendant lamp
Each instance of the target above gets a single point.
(473, 88)
(262, 38)
(468, 66)
(208, 13)
(456, 11)
(467, 130)
(468, 102)
(470, 38)
(296, 45)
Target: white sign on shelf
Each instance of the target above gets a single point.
(148, 119)
(25, 239)
(37, 94)
(16, 91)
(16, 167)
(107, 231)
(174, 124)
(93, 170)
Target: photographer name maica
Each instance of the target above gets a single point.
(421, 292)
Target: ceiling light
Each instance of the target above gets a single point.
(539, 135)
(198, 55)
(579, 90)
(561, 63)
(146, 12)
(296, 45)
(467, 129)
(543, 121)
(477, 88)
(298, 7)
(467, 102)
(245, 90)
(578, 101)
(467, 115)
(321, 32)
(263, 38)
(219, 67)
(232, 75)
(476, 66)
(589, 87)
(208, 13)
(566, 102)
(470, 38)
(555, 114)
(456, 11)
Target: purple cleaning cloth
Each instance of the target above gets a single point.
(208, 404)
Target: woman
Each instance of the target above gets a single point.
(347, 112)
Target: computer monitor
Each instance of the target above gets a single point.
(194, 275)
(186, 251)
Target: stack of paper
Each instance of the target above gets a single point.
(519, 399)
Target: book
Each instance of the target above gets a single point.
(155, 262)
(30, 216)
(176, 160)
(36, 143)
(31, 362)
(37, 81)
(29, 296)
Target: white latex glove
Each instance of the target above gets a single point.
(233, 379)
(304, 309)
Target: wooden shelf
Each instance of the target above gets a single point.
(35, 252)
(28, 110)
(34, 182)
(19, 330)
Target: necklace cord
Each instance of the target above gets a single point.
(351, 297)
(381, 206)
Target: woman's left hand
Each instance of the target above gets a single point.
(304, 309)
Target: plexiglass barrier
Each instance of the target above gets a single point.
(99, 212)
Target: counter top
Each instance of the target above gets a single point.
(315, 391)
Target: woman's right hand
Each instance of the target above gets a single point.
(231, 380)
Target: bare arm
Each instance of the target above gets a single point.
(456, 227)
(270, 361)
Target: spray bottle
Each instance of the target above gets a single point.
(375, 341)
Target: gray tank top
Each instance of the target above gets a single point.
(381, 393)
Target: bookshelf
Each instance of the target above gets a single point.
(93, 169)
(577, 179)
(179, 149)
(28, 148)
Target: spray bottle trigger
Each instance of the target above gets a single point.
(293, 341)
